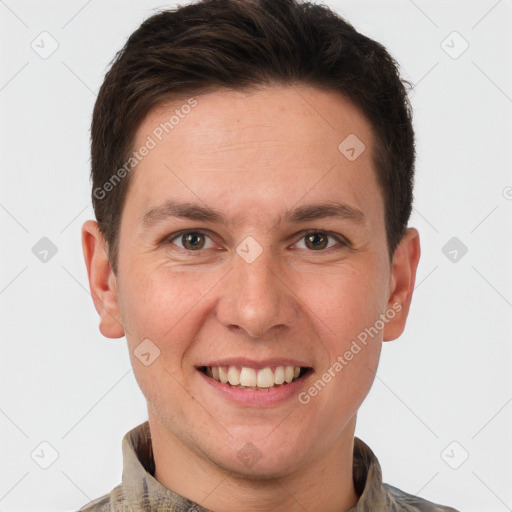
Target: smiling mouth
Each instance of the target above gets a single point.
(264, 379)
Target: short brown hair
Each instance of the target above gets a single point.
(241, 44)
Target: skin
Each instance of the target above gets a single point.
(253, 156)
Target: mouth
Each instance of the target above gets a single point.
(262, 379)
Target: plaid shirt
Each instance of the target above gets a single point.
(140, 492)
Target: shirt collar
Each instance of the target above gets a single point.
(142, 490)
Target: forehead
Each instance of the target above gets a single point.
(221, 119)
(254, 150)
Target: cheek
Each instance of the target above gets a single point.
(163, 306)
(346, 305)
(154, 303)
(347, 299)
(168, 306)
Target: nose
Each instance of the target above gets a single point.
(257, 298)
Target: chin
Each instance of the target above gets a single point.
(265, 455)
(268, 467)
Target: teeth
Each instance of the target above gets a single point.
(244, 377)
(233, 376)
(223, 376)
(247, 377)
(279, 375)
(265, 378)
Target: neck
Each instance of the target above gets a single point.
(324, 483)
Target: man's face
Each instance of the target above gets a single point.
(282, 280)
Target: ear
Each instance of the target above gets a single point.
(403, 277)
(102, 280)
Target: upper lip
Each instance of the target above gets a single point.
(251, 363)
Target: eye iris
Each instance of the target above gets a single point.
(316, 241)
(193, 241)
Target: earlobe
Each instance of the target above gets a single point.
(102, 281)
(403, 277)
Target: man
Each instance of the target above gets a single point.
(252, 167)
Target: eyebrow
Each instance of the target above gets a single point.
(184, 210)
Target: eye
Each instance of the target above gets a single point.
(318, 241)
(192, 240)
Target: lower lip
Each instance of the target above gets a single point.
(253, 398)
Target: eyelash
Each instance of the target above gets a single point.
(342, 241)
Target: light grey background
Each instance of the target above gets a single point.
(447, 379)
